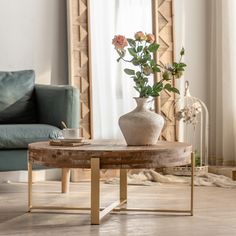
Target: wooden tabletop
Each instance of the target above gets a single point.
(113, 154)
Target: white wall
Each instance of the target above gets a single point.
(191, 32)
(33, 36)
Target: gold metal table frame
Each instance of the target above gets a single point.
(98, 213)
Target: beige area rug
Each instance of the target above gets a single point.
(151, 177)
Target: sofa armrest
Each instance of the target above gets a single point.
(56, 103)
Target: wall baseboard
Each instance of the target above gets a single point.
(38, 175)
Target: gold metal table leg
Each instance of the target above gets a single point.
(95, 191)
(192, 181)
(123, 185)
(29, 186)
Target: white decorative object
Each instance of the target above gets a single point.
(141, 126)
(192, 116)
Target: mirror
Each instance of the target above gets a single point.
(112, 89)
(80, 37)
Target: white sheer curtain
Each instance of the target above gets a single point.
(112, 89)
(222, 84)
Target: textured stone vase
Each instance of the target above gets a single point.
(141, 126)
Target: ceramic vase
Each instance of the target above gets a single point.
(141, 126)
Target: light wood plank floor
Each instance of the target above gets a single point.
(215, 211)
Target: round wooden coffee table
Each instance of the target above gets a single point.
(108, 154)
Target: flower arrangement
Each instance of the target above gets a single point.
(141, 50)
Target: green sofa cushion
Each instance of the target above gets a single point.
(17, 99)
(19, 136)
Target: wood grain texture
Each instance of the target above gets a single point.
(112, 155)
(79, 60)
(163, 29)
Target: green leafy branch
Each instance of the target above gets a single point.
(141, 53)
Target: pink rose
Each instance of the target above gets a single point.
(150, 38)
(120, 42)
(140, 36)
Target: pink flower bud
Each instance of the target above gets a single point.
(147, 70)
(120, 42)
(140, 36)
(150, 38)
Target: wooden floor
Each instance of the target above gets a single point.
(215, 211)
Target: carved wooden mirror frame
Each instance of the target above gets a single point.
(79, 55)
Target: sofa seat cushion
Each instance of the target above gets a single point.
(20, 135)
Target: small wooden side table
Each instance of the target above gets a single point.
(109, 154)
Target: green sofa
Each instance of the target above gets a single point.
(31, 113)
